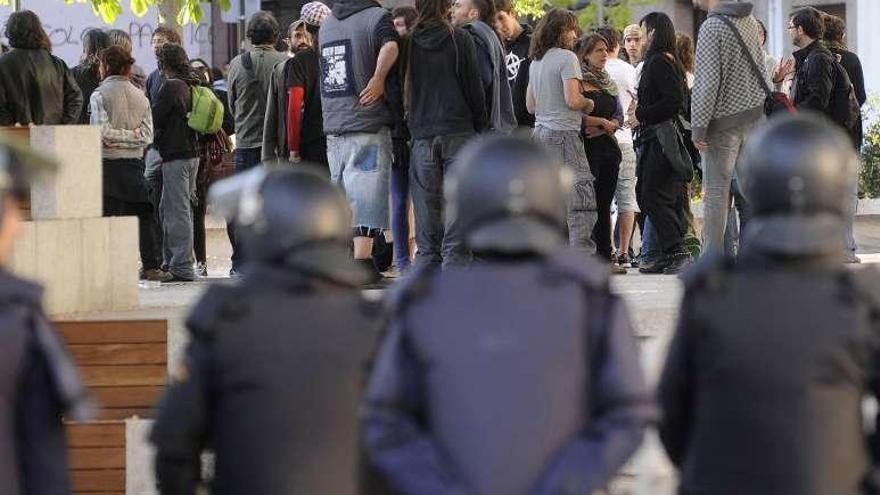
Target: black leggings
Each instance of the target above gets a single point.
(604, 157)
(148, 228)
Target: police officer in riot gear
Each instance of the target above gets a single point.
(38, 381)
(519, 374)
(277, 363)
(765, 376)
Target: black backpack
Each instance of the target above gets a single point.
(843, 107)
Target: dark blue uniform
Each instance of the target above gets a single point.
(509, 377)
(272, 382)
(38, 384)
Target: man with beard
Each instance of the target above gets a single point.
(293, 129)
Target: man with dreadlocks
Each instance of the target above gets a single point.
(446, 107)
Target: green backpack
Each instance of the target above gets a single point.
(206, 115)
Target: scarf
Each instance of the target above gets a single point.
(599, 78)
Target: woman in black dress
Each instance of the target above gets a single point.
(662, 97)
(601, 147)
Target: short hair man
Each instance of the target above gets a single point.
(404, 18)
(358, 50)
(634, 42)
(814, 66)
(517, 38)
(727, 102)
(294, 129)
(475, 16)
(250, 75)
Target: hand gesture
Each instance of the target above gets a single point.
(783, 69)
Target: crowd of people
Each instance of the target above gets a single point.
(382, 101)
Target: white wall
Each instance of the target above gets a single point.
(65, 25)
(868, 42)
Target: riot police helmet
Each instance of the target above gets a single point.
(509, 196)
(799, 177)
(290, 216)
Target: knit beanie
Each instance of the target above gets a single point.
(314, 13)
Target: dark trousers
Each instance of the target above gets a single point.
(200, 209)
(660, 194)
(400, 202)
(438, 236)
(314, 154)
(148, 228)
(245, 159)
(153, 177)
(604, 157)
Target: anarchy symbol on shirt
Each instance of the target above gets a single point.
(513, 62)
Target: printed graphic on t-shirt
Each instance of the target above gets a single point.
(337, 72)
(513, 62)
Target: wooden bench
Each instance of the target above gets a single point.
(124, 363)
(97, 457)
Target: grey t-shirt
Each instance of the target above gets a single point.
(547, 77)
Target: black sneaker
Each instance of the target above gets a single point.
(617, 269)
(676, 262)
(201, 269)
(376, 279)
(625, 261)
(653, 265)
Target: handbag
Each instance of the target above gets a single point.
(668, 135)
(775, 101)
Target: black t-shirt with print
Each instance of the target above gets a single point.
(518, 61)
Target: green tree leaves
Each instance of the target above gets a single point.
(188, 11)
(617, 14)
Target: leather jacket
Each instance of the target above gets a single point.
(37, 87)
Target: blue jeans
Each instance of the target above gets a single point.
(737, 218)
(400, 203)
(360, 163)
(438, 235)
(245, 159)
(650, 249)
(175, 208)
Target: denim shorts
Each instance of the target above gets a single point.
(360, 163)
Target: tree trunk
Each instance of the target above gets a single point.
(168, 10)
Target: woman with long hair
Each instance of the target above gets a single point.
(446, 107)
(35, 86)
(600, 145)
(662, 99)
(86, 73)
(122, 111)
(554, 96)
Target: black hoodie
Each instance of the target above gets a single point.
(384, 30)
(518, 61)
(446, 96)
